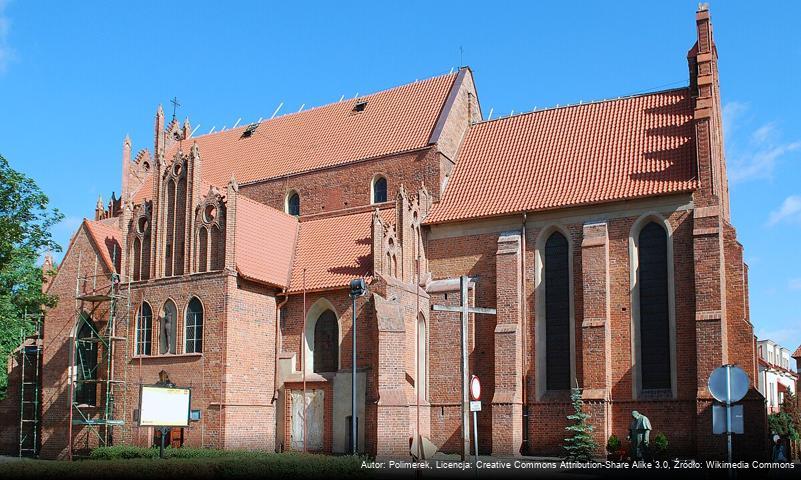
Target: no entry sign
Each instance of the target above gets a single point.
(475, 388)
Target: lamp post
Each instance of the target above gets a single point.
(358, 288)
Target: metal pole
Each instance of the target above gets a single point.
(728, 411)
(475, 440)
(164, 431)
(353, 440)
(463, 283)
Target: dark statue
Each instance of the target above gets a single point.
(639, 435)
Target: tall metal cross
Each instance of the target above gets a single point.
(175, 106)
(465, 310)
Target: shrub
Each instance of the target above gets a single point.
(660, 445)
(613, 444)
(782, 424)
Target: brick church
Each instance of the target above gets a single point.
(601, 233)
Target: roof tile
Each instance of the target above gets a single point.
(107, 238)
(265, 241)
(334, 250)
(598, 152)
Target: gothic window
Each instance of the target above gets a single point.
(137, 259)
(422, 359)
(210, 234)
(654, 308)
(176, 220)
(379, 189)
(141, 245)
(194, 326)
(144, 329)
(217, 249)
(326, 343)
(203, 249)
(86, 353)
(168, 257)
(557, 312)
(168, 328)
(293, 203)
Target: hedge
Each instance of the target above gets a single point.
(127, 462)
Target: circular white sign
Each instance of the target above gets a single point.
(475, 388)
(738, 383)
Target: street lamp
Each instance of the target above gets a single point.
(358, 288)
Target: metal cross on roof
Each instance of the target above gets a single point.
(465, 310)
(175, 106)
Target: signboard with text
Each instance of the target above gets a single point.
(164, 406)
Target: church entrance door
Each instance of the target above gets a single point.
(314, 413)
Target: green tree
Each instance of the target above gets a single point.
(580, 445)
(25, 223)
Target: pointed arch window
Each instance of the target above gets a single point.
(293, 203)
(557, 312)
(144, 329)
(194, 326)
(422, 359)
(379, 189)
(654, 309)
(326, 343)
(86, 359)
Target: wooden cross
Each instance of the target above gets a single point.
(175, 106)
(465, 310)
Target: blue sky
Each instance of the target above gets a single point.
(76, 77)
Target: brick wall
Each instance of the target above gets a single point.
(349, 185)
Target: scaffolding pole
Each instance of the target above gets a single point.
(92, 291)
(30, 360)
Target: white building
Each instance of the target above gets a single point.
(776, 374)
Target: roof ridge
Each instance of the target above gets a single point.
(244, 126)
(583, 104)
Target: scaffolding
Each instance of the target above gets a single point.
(30, 361)
(89, 344)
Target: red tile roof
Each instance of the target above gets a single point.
(107, 240)
(598, 152)
(145, 191)
(394, 120)
(797, 353)
(334, 250)
(265, 242)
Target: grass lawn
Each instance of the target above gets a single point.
(188, 463)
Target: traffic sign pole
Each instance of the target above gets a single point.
(475, 406)
(728, 412)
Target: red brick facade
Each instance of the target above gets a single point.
(178, 241)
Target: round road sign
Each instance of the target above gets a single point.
(475, 388)
(728, 383)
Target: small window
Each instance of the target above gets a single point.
(379, 190)
(360, 106)
(250, 130)
(144, 329)
(194, 326)
(293, 204)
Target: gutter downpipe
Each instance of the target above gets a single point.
(277, 338)
(525, 331)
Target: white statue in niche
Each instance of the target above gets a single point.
(168, 329)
